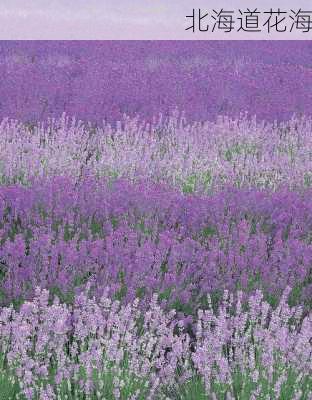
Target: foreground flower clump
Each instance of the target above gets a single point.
(102, 349)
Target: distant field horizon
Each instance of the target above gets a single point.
(96, 80)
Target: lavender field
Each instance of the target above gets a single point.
(156, 220)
